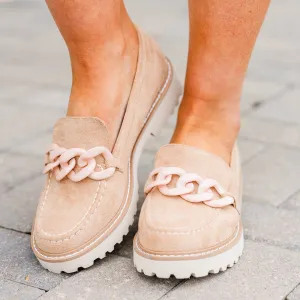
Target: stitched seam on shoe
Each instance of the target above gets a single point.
(128, 188)
(158, 155)
(192, 231)
(96, 240)
(83, 220)
(193, 254)
(165, 231)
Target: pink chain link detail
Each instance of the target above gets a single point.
(161, 177)
(62, 162)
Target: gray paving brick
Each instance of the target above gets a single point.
(37, 146)
(273, 175)
(266, 223)
(18, 263)
(16, 169)
(146, 15)
(255, 93)
(11, 92)
(264, 272)
(45, 42)
(292, 202)
(161, 27)
(284, 109)
(249, 149)
(18, 206)
(173, 118)
(112, 278)
(266, 67)
(23, 123)
(295, 294)
(273, 26)
(161, 139)
(275, 55)
(10, 290)
(47, 97)
(271, 131)
(44, 71)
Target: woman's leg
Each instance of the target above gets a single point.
(93, 187)
(222, 36)
(103, 47)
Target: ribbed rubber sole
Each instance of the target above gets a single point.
(187, 268)
(159, 117)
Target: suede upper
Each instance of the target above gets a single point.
(73, 217)
(170, 225)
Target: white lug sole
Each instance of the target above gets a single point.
(186, 268)
(164, 108)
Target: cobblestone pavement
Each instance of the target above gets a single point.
(35, 80)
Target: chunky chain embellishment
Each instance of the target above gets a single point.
(62, 162)
(185, 187)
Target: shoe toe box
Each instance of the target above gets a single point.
(171, 225)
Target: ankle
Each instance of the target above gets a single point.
(102, 78)
(207, 125)
(90, 59)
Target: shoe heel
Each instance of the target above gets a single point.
(167, 105)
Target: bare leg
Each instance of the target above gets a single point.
(222, 36)
(103, 47)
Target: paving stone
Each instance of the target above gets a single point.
(11, 92)
(273, 175)
(249, 149)
(257, 92)
(23, 123)
(37, 146)
(160, 26)
(112, 278)
(15, 291)
(284, 109)
(173, 118)
(295, 294)
(271, 131)
(48, 97)
(16, 4)
(18, 263)
(160, 140)
(292, 202)
(16, 169)
(274, 26)
(45, 58)
(275, 55)
(18, 206)
(264, 272)
(272, 225)
(267, 67)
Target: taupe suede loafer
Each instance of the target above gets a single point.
(91, 191)
(190, 223)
